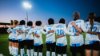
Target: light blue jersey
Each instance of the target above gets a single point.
(14, 33)
(9, 30)
(90, 38)
(50, 37)
(21, 36)
(38, 40)
(60, 30)
(29, 35)
(76, 40)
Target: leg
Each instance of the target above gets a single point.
(10, 47)
(48, 49)
(35, 50)
(40, 50)
(73, 50)
(31, 46)
(64, 50)
(53, 47)
(27, 43)
(81, 50)
(58, 50)
(96, 48)
(95, 53)
(21, 47)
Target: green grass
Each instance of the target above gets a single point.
(4, 45)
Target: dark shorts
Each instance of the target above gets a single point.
(94, 46)
(15, 41)
(51, 47)
(38, 48)
(10, 40)
(28, 44)
(79, 49)
(61, 49)
(21, 44)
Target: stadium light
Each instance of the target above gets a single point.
(27, 5)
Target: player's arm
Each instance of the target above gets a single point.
(95, 33)
(36, 35)
(76, 27)
(9, 30)
(51, 31)
(59, 36)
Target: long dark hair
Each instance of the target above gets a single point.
(91, 17)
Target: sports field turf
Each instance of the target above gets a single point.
(4, 45)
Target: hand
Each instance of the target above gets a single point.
(77, 34)
(51, 31)
(59, 36)
(73, 23)
(36, 35)
(19, 31)
(99, 36)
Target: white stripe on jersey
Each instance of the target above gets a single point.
(60, 30)
(50, 37)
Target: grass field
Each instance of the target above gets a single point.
(4, 45)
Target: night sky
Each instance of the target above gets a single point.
(44, 9)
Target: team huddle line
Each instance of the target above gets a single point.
(21, 35)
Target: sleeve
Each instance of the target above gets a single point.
(9, 30)
(44, 30)
(83, 26)
(31, 31)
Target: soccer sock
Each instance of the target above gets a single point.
(10, 49)
(35, 53)
(28, 52)
(59, 54)
(16, 51)
(40, 53)
(48, 53)
(13, 50)
(64, 54)
(53, 54)
(32, 51)
(22, 52)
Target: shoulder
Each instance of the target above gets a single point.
(80, 21)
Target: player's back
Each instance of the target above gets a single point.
(60, 30)
(76, 39)
(29, 35)
(22, 28)
(95, 28)
(38, 30)
(50, 37)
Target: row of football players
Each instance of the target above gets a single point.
(56, 41)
